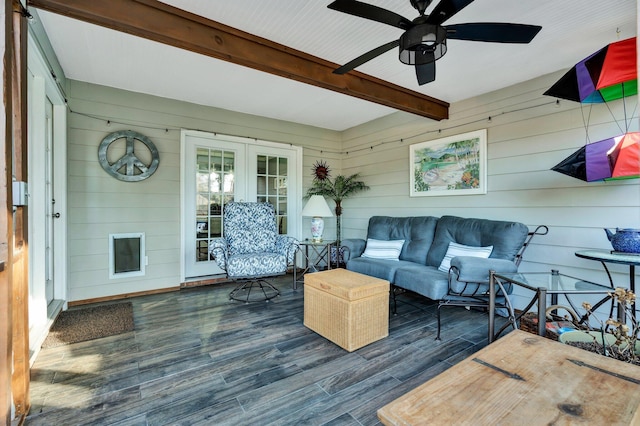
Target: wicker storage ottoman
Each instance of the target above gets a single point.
(348, 308)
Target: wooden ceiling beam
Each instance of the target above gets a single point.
(162, 23)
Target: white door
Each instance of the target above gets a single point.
(214, 176)
(50, 212)
(47, 134)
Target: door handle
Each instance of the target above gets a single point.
(56, 215)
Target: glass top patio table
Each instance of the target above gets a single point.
(554, 282)
(609, 256)
(551, 283)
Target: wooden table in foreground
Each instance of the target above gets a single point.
(524, 379)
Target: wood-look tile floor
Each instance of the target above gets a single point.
(196, 357)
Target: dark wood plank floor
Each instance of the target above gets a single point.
(197, 358)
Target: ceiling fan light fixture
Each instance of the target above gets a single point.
(423, 44)
(424, 39)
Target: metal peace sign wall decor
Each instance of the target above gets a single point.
(129, 167)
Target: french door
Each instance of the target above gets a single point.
(220, 169)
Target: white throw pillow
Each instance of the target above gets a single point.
(456, 249)
(380, 249)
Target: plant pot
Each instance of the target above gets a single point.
(586, 337)
(581, 336)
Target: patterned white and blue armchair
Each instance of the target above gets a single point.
(251, 249)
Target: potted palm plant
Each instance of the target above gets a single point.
(337, 189)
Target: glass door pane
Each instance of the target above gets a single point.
(271, 186)
(215, 184)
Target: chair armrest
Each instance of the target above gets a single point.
(476, 269)
(288, 246)
(355, 247)
(218, 248)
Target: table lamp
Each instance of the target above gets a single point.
(317, 208)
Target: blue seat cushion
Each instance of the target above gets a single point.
(379, 268)
(427, 281)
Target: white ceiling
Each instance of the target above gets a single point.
(572, 29)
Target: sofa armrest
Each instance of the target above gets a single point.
(218, 248)
(476, 269)
(355, 247)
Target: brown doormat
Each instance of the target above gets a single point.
(78, 325)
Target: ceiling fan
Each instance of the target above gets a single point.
(424, 40)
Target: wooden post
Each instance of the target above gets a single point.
(20, 262)
(6, 224)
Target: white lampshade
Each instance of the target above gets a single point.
(317, 208)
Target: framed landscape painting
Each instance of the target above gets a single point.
(455, 165)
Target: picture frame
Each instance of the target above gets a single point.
(454, 165)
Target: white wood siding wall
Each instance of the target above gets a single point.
(100, 205)
(522, 147)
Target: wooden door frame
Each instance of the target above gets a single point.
(14, 279)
